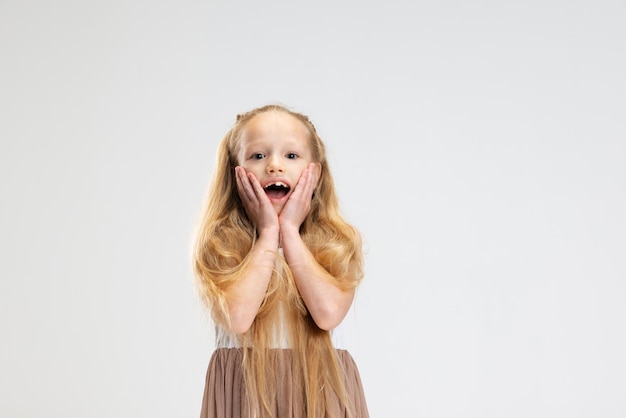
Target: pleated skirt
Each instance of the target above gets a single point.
(225, 396)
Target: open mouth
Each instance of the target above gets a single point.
(276, 190)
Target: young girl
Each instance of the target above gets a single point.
(278, 266)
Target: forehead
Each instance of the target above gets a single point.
(275, 127)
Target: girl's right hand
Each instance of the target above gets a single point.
(255, 201)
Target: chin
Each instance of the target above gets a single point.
(278, 207)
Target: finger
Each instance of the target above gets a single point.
(315, 174)
(243, 185)
(308, 177)
(260, 197)
(256, 186)
(299, 190)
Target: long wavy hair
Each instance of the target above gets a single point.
(224, 238)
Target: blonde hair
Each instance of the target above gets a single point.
(225, 236)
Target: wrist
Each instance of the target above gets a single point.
(286, 224)
(269, 235)
(289, 231)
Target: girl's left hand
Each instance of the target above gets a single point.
(299, 204)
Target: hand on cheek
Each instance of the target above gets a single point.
(255, 201)
(299, 204)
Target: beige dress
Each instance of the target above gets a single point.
(224, 392)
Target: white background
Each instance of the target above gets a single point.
(479, 147)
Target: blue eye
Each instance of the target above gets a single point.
(257, 156)
(292, 155)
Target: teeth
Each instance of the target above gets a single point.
(277, 184)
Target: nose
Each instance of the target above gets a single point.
(274, 165)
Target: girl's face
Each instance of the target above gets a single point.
(275, 147)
